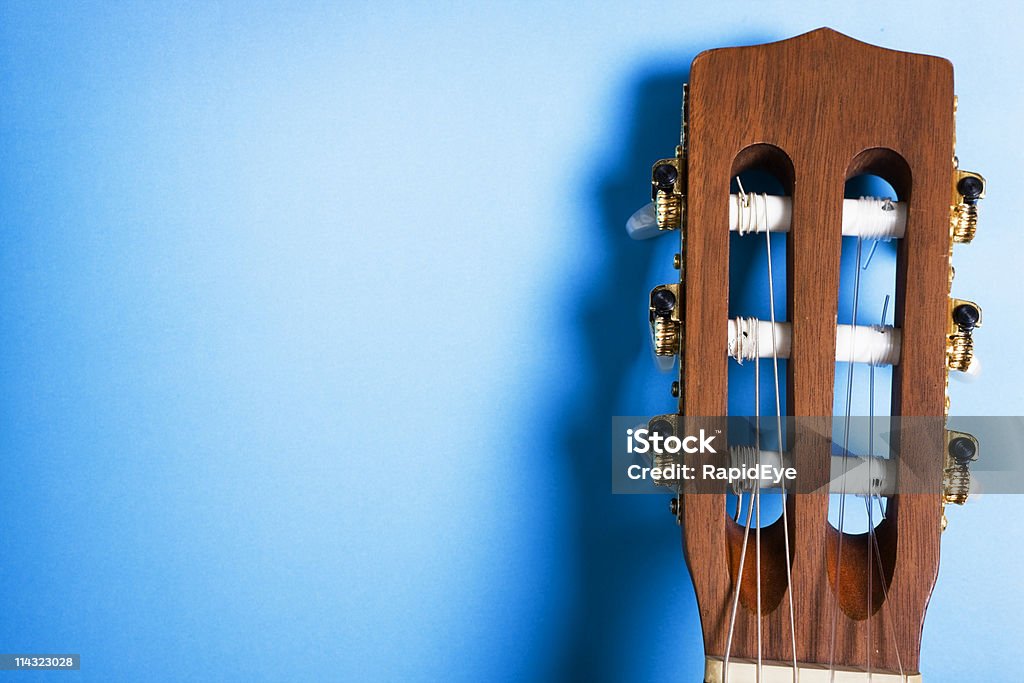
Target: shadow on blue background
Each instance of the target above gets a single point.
(633, 593)
(622, 554)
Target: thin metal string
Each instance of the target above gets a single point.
(782, 450)
(735, 595)
(757, 506)
(846, 454)
(885, 599)
(746, 528)
(757, 451)
(762, 217)
(869, 502)
(869, 499)
(736, 591)
(873, 549)
(753, 503)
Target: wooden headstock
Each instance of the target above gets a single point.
(815, 111)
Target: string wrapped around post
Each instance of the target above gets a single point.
(751, 338)
(868, 217)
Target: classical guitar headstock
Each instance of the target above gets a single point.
(803, 597)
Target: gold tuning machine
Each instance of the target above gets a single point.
(968, 189)
(666, 325)
(665, 426)
(667, 183)
(964, 317)
(961, 450)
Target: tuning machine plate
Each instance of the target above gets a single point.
(968, 190)
(666, 323)
(667, 191)
(964, 317)
(961, 450)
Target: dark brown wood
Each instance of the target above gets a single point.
(818, 109)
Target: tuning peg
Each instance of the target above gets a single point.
(970, 188)
(965, 316)
(642, 225)
(665, 212)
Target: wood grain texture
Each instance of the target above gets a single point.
(818, 109)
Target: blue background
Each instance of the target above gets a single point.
(314, 318)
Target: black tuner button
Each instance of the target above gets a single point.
(662, 428)
(966, 316)
(970, 188)
(665, 176)
(962, 450)
(664, 301)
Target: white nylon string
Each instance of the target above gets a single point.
(875, 344)
(750, 208)
(871, 218)
(751, 213)
(876, 219)
(743, 345)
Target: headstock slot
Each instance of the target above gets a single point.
(757, 170)
(861, 545)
